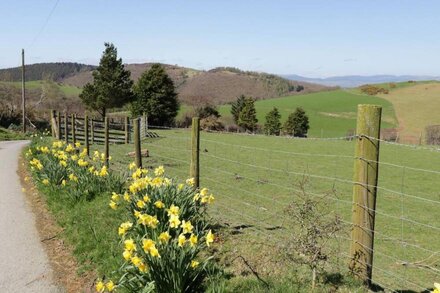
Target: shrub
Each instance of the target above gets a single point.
(297, 123)
(373, 90)
(273, 124)
(207, 111)
(433, 134)
(164, 234)
(211, 123)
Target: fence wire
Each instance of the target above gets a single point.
(255, 179)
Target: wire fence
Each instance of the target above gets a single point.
(255, 178)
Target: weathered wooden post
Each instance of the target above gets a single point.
(137, 143)
(366, 169)
(53, 123)
(195, 147)
(92, 130)
(73, 128)
(127, 132)
(86, 134)
(106, 141)
(59, 125)
(66, 127)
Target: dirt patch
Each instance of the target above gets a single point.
(64, 265)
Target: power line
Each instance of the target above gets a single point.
(45, 24)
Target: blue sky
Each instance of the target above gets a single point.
(310, 37)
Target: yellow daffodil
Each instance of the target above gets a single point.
(146, 198)
(83, 153)
(190, 181)
(204, 191)
(193, 240)
(154, 252)
(63, 183)
(135, 260)
(147, 244)
(181, 240)
(110, 285)
(173, 210)
(130, 245)
(132, 166)
(115, 196)
(126, 254)
(136, 213)
(174, 221)
(91, 169)
(159, 171)
(187, 227)
(164, 237)
(82, 163)
(436, 288)
(113, 205)
(63, 163)
(140, 204)
(127, 197)
(70, 148)
(194, 264)
(143, 267)
(77, 144)
(100, 287)
(72, 177)
(124, 227)
(45, 181)
(74, 157)
(159, 204)
(209, 238)
(103, 171)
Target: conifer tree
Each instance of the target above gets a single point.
(247, 118)
(273, 124)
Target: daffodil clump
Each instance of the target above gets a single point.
(67, 167)
(163, 235)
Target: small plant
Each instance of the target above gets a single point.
(313, 230)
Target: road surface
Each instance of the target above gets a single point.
(24, 266)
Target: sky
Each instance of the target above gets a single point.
(315, 38)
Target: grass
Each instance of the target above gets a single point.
(253, 178)
(6, 134)
(68, 90)
(331, 113)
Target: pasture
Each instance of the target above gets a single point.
(254, 178)
(331, 113)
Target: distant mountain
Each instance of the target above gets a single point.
(357, 80)
(54, 71)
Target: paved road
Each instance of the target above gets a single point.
(24, 266)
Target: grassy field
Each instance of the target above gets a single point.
(6, 134)
(416, 106)
(331, 113)
(254, 179)
(36, 84)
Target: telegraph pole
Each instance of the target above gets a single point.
(23, 95)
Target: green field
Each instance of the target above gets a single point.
(254, 177)
(331, 113)
(37, 84)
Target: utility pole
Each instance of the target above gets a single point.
(23, 95)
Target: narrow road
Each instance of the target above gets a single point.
(24, 266)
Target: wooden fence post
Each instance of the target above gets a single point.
(66, 127)
(366, 169)
(53, 123)
(127, 133)
(195, 146)
(59, 125)
(92, 130)
(73, 128)
(86, 134)
(106, 141)
(137, 143)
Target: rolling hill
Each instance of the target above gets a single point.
(217, 86)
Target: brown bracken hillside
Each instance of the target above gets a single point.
(216, 86)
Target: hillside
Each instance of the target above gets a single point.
(416, 107)
(331, 113)
(54, 71)
(218, 86)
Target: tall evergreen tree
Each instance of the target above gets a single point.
(273, 124)
(247, 118)
(237, 106)
(297, 123)
(156, 96)
(111, 87)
